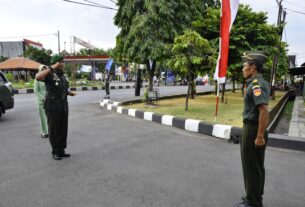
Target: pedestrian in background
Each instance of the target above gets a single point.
(254, 136)
(40, 92)
(56, 105)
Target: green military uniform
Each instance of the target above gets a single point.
(257, 93)
(56, 106)
(40, 92)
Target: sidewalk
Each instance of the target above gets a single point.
(297, 123)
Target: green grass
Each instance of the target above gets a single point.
(22, 84)
(203, 108)
(288, 110)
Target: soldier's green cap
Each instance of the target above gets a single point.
(56, 58)
(258, 56)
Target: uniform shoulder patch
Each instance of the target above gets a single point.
(257, 91)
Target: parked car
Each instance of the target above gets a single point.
(6, 94)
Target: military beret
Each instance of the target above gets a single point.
(56, 58)
(260, 57)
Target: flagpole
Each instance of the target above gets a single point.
(217, 101)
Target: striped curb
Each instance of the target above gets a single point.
(226, 132)
(81, 88)
(216, 130)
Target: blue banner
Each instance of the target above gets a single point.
(109, 64)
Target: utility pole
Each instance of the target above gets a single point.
(58, 38)
(280, 22)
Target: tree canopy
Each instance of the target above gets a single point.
(250, 32)
(147, 26)
(42, 56)
(191, 53)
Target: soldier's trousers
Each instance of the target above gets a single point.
(58, 130)
(253, 164)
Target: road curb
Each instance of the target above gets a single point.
(193, 125)
(225, 132)
(81, 88)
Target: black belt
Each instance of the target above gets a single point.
(246, 121)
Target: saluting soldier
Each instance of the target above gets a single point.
(56, 105)
(254, 136)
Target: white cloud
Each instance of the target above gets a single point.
(33, 17)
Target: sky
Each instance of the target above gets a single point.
(40, 20)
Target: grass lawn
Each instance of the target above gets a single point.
(203, 108)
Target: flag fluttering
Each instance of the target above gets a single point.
(229, 10)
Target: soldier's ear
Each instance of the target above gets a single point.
(252, 67)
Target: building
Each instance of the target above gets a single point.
(15, 49)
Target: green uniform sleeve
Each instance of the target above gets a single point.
(260, 95)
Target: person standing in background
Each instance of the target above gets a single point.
(40, 92)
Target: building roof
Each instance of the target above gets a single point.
(297, 71)
(32, 43)
(19, 63)
(84, 59)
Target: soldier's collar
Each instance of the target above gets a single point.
(257, 76)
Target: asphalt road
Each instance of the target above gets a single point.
(121, 161)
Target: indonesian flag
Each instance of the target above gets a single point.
(229, 10)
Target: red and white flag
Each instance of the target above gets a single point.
(229, 10)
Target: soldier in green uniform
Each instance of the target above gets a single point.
(56, 105)
(254, 136)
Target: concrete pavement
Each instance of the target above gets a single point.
(297, 123)
(119, 161)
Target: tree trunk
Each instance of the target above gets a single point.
(151, 72)
(193, 86)
(188, 90)
(233, 87)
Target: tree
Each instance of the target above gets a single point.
(42, 56)
(147, 26)
(250, 32)
(3, 59)
(191, 53)
(96, 51)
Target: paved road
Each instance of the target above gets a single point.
(121, 161)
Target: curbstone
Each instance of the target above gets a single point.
(109, 106)
(124, 111)
(114, 108)
(140, 114)
(157, 118)
(167, 120)
(120, 110)
(179, 122)
(205, 128)
(192, 125)
(148, 116)
(222, 131)
(132, 112)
